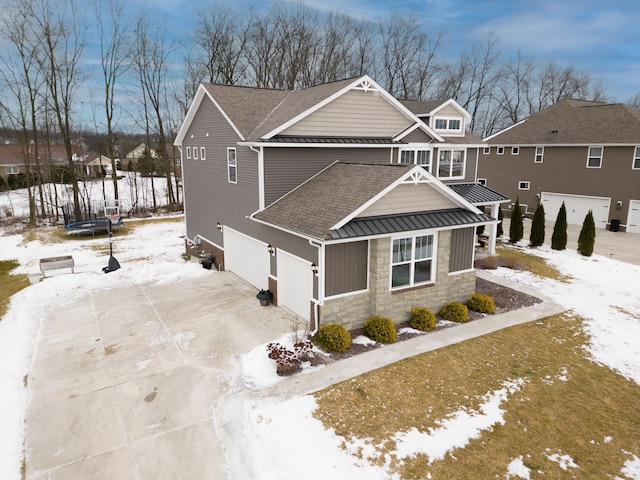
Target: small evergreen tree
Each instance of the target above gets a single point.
(587, 237)
(500, 230)
(516, 228)
(537, 227)
(559, 237)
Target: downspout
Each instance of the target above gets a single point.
(260, 153)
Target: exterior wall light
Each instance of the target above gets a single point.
(271, 249)
(314, 268)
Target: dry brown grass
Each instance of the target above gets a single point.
(518, 259)
(10, 284)
(549, 414)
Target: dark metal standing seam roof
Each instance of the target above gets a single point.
(475, 193)
(381, 225)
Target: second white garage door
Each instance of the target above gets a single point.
(246, 257)
(295, 284)
(633, 221)
(577, 208)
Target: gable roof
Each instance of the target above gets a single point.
(574, 122)
(324, 207)
(259, 113)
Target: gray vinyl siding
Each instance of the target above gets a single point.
(287, 168)
(461, 254)
(209, 197)
(346, 267)
(417, 136)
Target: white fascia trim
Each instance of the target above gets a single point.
(502, 131)
(317, 145)
(195, 105)
(412, 129)
(451, 101)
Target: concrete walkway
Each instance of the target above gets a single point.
(124, 382)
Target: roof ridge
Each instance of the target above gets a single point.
(273, 110)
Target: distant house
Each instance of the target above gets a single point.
(340, 199)
(12, 160)
(585, 154)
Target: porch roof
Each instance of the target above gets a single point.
(387, 224)
(477, 194)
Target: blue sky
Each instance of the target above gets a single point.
(600, 37)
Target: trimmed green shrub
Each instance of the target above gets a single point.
(559, 237)
(422, 319)
(537, 227)
(479, 302)
(333, 338)
(587, 237)
(454, 312)
(516, 228)
(380, 329)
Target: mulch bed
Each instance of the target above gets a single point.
(505, 299)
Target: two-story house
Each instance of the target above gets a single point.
(334, 197)
(585, 154)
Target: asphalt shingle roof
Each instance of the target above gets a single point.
(575, 122)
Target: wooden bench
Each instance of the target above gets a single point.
(56, 263)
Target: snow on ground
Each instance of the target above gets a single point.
(273, 433)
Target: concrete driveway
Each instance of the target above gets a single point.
(124, 382)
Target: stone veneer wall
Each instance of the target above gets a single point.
(353, 310)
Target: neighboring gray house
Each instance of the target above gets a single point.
(333, 197)
(585, 154)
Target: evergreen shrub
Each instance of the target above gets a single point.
(516, 228)
(454, 312)
(380, 329)
(333, 338)
(422, 319)
(479, 302)
(587, 237)
(559, 236)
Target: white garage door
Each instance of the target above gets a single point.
(295, 283)
(246, 257)
(577, 208)
(633, 221)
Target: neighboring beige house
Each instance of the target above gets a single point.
(585, 154)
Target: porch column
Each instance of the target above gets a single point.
(493, 230)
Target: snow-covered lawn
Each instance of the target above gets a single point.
(280, 437)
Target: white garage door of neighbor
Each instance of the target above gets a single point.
(633, 220)
(295, 283)
(246, 257)
(577, 208)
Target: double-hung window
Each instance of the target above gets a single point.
(594, 159)
(412, 261)
(451, 164)
(636, 159)
(13, 169)
(232, 166)
(539, 155)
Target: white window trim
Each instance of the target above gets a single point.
(188, 153)
(433, 258)
(414, 147)
(515, 150)
(589, 156)
(202, 153)
(535, 155)
(636, 159)
(486, 150)
(448, 120)
(195, 153)
(524, 185)
(464, 163)
(500, 151)
(13, 169)
(230, 166)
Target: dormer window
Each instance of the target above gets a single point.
(448, 124)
